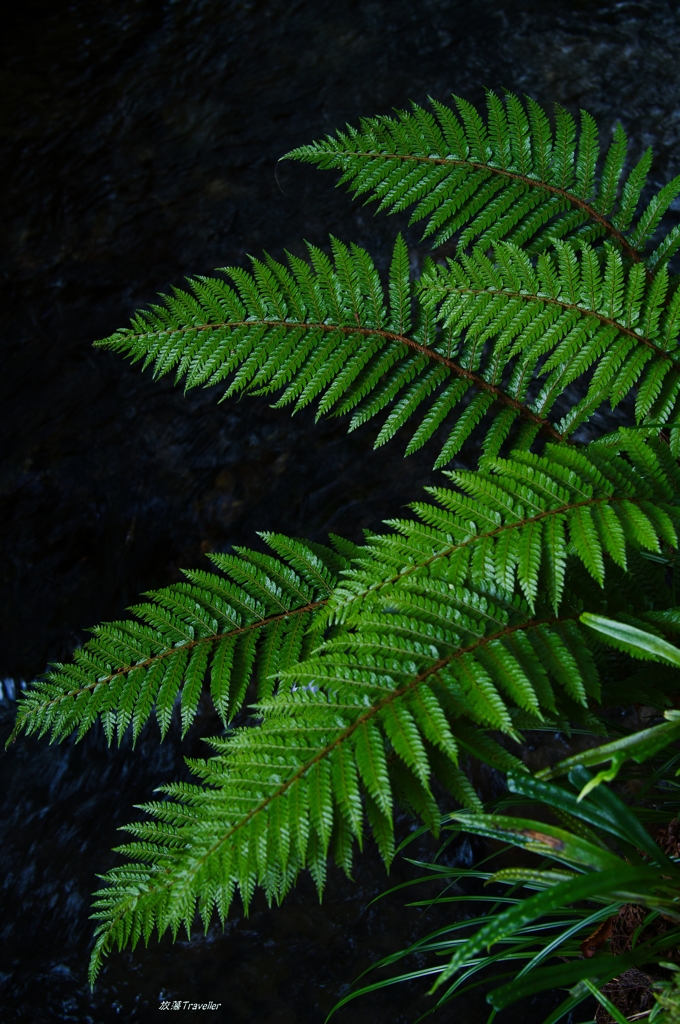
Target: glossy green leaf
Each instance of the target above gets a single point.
(634, 641)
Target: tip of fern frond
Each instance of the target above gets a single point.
(95, 966)
(12, 736)
(299, 153)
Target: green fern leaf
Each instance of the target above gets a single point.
(319, 331)
(260, 615)
(574, 321)
(376, 667)
(454, 169)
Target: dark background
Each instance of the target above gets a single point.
(140, 144)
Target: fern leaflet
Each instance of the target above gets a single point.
(252, 622)
(475, 332)
(519, 519)
(513, 178)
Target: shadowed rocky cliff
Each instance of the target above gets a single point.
(140, 144)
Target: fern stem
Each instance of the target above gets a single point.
(346, 733)
(499, 395)
(125, 669)
(523, 179)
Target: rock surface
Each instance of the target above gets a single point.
(140, 144)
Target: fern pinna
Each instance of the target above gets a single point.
(495, 339)
(513, 178)
(379, 667)
(254, 620)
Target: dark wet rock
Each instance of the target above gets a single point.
(140, 144)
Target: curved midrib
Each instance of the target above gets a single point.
(313, 606)
(523, 179)
(585, 311)
(498, 393)
(347, 732)
(540, 516)
(501, 396)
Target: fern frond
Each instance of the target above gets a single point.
(476, 341)
(254, 621)
(353, 724)
(322, 331)
(378, 668)
(516, 520)
(512, 522)
(396, 693)
(512, 178)
(367, 720)
(557, 320)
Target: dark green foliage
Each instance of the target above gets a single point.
(324, 331)
(523, 596)
(558, 319)
(599, 858)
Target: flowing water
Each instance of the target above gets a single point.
(140, 144)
